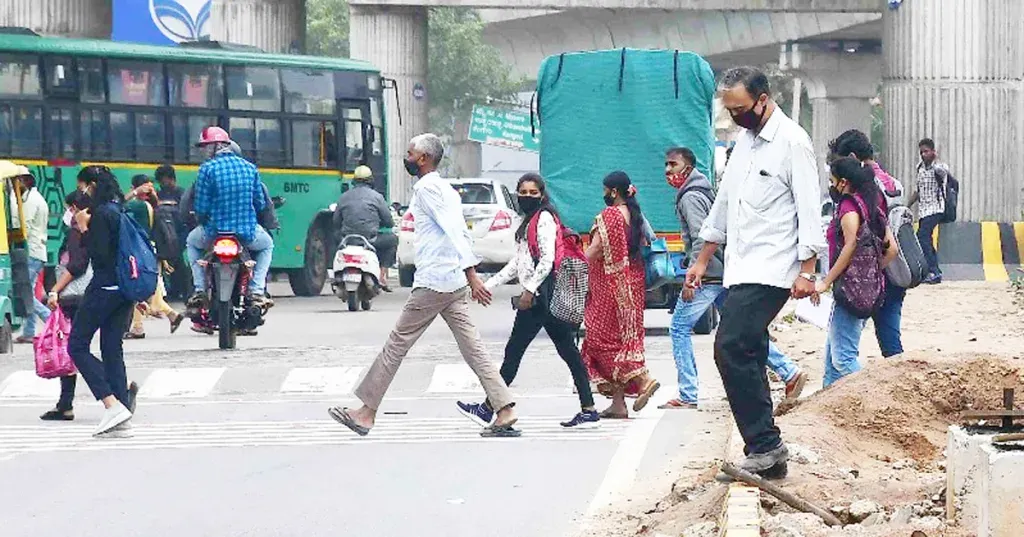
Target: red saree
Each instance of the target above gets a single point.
(613, 348)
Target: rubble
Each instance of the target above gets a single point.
(862, 509)
(704, 529)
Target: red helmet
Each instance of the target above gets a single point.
(212, 135)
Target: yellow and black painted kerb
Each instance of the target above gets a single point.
(981, 251)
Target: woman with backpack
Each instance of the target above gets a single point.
(103, 308)
(534, 266)
(860, 245)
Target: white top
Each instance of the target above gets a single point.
(768, 208)
(531, 274)
(37, 214)
(444, 248)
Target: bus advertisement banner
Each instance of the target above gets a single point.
(161, 22)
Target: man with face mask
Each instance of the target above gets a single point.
(445, 280)
(37, 214)
(768, 213)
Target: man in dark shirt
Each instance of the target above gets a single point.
(363, 211)
(170, 192)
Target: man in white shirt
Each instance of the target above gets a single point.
(768, 214)
(445, 279)
(37, 215)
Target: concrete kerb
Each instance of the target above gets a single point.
(741, 508)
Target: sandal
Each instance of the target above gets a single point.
(501, 431)
(609, 415)
(341, 416)
(58, 415)
(645, 395)
(678, 403)
(176, 322)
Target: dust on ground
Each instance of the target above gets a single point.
(871, 447)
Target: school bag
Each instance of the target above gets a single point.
(165, 233)
(136, 265)
(51, 348)
(909, 267)
(861, 288)
(571, 276)
(949, 189)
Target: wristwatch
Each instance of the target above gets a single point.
(809, 277)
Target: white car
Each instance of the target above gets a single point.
(492, 216)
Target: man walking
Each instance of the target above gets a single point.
(693, 203)
(445, 279)
(37, 215)
(768, 214)
(931, 179)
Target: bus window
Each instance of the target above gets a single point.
(308, 92)
(26, 131)
(353, 138)
(139, 83)
(60, 134)
(94, 134)
(186, 134)
(122, 135)
(150, 137)
(90, 81)
(253, 88)
(260, 139)
(60, 77)
(377, 145)
(19, 77)
(314, 144)
(196, 86)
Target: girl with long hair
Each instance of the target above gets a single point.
(613, 348)
(533, 265)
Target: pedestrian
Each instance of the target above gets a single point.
(141, 206)
(693, 203)
(769, 210)
(177, 277)
(859, 203)
(931, 204)
(37, 216)
(445, 280)
(364, 212)
(103, 308)
(613, 348)
(854, 143)
(534, 267)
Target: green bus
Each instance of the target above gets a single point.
(307, 122)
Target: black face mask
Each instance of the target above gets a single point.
(750, 119)
(609, 200)
(529, 204)
(835, 194)
(412, 167)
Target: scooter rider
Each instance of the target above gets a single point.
(228, 197)
(363, 211)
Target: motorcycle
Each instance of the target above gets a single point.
(228, 308)
(355, 272)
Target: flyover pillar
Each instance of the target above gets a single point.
(394, 39)
(953, 72)
(841, 82)
(67, 18)
(273, 25)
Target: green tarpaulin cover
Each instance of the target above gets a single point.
(621, 109)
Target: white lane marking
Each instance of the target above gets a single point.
(25, 384)
(622, 469)
(325, 380)
(184, 382)
(308, 398)
(454, 378)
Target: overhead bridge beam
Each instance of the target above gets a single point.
(782, 6)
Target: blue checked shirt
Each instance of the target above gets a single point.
(229, 194)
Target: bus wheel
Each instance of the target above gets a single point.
(6, 338)
(309, 280)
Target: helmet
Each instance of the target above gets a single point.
(363, 173)
(21, 171)
(8, 169)
(212, 135)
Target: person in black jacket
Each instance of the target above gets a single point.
(104, 308)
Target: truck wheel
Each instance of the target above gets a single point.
(405, 275)
(6, 338)
(707, 322)
(309, 280)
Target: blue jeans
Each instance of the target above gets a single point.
(686, 315)
(887, 321)
(35, 266)
(261, 248)
(842, 347)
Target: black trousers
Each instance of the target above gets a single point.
(107, 312)
(741, 354)
(525, 329)
(925, 228)
(386, 245)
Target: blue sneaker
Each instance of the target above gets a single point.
(587, 419)
(479, 413)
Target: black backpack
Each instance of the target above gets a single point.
(165, 233)
(949, 189)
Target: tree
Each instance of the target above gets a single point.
(327, 28)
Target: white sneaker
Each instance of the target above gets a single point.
(121, 431)
(112, 417)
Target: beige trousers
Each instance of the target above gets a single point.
(156, 304)
(419, 312)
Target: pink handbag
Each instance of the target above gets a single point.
(51, 348)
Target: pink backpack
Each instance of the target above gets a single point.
(51, 348)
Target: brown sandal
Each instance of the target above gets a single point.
(608, 415)
(645, 395)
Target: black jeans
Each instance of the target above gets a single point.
(741, 353)
(525, 329)
(70, 382)
(925, 229)
(386, 245)
(109, 313)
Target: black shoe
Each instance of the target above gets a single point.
(58, 415)
(133, 394)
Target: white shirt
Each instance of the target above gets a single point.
(531, 274)
(768, 208)
(37, 214)
(444, 248)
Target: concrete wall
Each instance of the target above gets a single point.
(68, 18)
(273, 25)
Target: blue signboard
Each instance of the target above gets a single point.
(161, 22)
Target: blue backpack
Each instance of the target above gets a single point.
(136, 265)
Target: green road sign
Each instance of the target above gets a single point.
(503, 127)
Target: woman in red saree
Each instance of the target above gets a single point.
(613, 348)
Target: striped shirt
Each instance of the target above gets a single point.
(929, 193)
(444, 248)
(228, 191)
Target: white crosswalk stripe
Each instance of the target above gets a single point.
(25, 384)
(325, 380)
(74, 438)
(183, 382)
(454, 378)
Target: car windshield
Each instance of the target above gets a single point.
(475, 193)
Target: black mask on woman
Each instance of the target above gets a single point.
(609, 200)
(835, 194)
(529, 204)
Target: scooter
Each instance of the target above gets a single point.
(228, 308)
(355, 272)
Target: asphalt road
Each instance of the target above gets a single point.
(239, 443)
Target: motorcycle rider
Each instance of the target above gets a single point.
(227, 199)
(363, 211)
